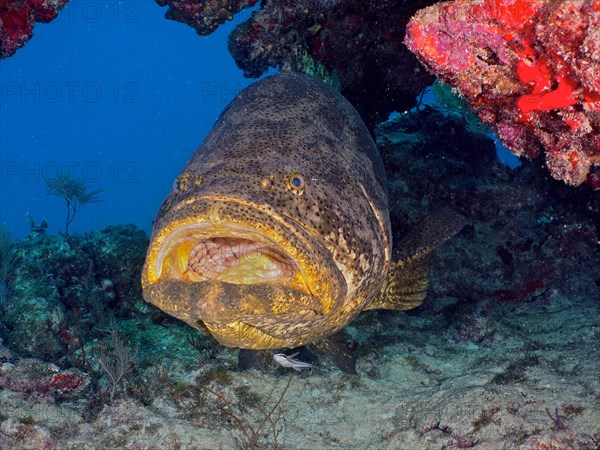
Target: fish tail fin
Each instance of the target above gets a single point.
(407, 279)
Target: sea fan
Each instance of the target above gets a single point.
(75, 193)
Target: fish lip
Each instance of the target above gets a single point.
(314, 263)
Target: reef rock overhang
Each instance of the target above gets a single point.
(17, 19)
(528, 68)
(361, 42)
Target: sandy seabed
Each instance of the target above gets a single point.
(535, 387)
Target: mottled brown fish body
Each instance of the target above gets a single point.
(277, 231)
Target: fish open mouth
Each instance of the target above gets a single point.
(234, 255)
(242, 282)
(237, 260)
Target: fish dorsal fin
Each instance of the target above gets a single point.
(407, 279)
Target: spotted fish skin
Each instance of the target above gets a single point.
(291, 166)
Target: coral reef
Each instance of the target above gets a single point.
(360, 42)
(527, 264)
(17, 19)
(528, 68)
(504, 350)
(65, 287)
(529, 238)
(43, 381)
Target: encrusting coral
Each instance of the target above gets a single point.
(528, 68)
(17, 19)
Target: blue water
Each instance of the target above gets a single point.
(117, 96)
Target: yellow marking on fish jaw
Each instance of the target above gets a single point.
(160, 247)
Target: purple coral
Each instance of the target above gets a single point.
(17, 19)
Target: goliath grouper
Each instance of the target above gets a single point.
(277, 233)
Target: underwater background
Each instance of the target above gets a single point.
(503, 353)
(113, 94)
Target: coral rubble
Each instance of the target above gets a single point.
(361, 42)
(528, 68)
(17, 19)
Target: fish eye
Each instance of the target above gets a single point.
(296, 183)
(177, 185)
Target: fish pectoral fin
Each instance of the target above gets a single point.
(407, 279)
(405, 286)
(254, 359)
(339, 349)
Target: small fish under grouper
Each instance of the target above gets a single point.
(277, 232)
